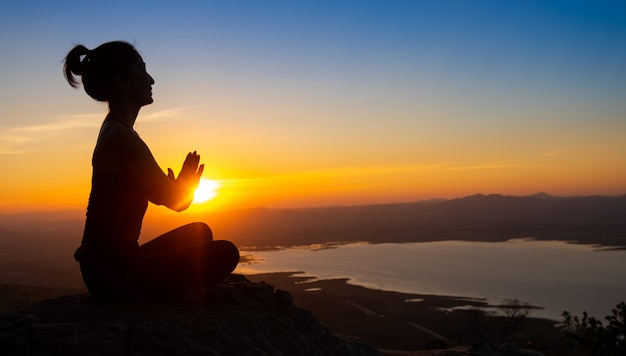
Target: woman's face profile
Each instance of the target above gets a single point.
(138, 86)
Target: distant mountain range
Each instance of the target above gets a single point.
(591, 220)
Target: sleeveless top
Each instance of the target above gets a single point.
(117, 204)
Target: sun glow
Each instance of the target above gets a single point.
(207, 190)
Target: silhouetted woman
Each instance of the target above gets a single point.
(125, 178)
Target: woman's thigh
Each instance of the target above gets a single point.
(189, 235)
(188, 255)
(204, 264)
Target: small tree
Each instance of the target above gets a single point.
(516, 312)
(588, 336)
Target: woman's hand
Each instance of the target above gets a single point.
(190, 173)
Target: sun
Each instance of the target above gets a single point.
(207, 190)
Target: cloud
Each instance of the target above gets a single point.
(360, 172)
(66, 123)
(483, 167)
(23, 139)
(11, 144)
(173, 114)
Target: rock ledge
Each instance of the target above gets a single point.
(239, 318)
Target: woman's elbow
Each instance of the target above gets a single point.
(178, 207)
(176, 203)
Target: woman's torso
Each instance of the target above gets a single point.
(117, 204)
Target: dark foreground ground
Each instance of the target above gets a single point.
(386, 320)
(400, 321)
(237, 317)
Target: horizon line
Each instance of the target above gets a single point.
(538, 194)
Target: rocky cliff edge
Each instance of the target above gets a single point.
(237, 318)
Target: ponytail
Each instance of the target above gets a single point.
(74, 64)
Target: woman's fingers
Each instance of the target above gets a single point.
(200, 170)
(191, 169)
(191, 162)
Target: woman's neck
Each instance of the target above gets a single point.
(124, 114)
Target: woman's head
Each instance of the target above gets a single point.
(108, 71)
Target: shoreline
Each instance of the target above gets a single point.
(407, 321)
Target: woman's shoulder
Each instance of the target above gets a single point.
(116, 134)
(118, 143)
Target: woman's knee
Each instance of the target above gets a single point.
(200, 229)
(228, 253)
(195, 233)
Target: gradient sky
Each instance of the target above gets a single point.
(309, 103)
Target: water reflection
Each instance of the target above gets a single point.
(553, 274)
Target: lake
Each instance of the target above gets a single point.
(554, 275)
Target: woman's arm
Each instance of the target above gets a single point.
(174, 192)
